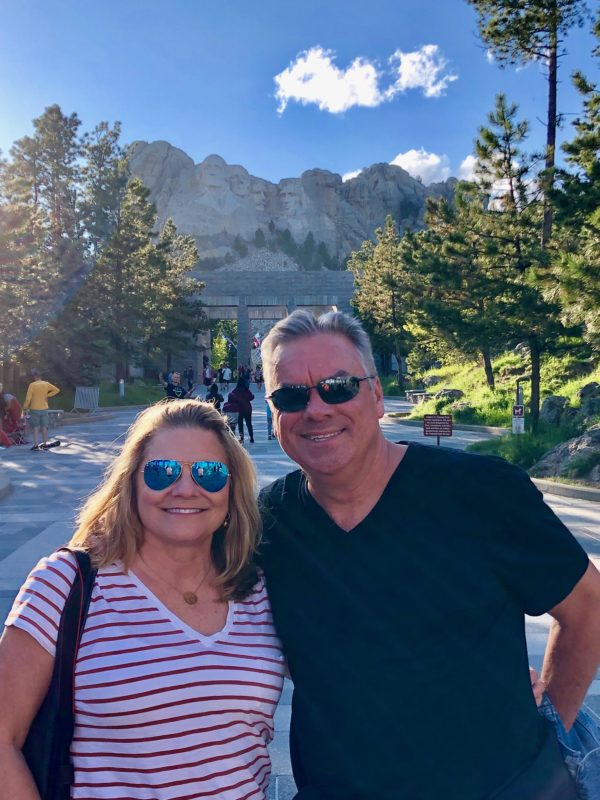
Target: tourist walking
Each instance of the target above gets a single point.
(258, 378)
(179, 669)
(226, 377)
(243, 397)
(36, 403)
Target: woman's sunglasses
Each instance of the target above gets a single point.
(330, 390)
(163, 472)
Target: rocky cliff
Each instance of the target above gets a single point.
(216, 202)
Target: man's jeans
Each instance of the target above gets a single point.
(580, 748)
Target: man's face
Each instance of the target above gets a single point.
(325, 439)
(176, 377)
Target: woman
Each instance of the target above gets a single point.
(242, 398)
(179, 669)
(214, 397)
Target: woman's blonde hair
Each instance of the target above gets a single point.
(109, 527)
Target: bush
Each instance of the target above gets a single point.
(581, 465)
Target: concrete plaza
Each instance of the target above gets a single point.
(47, 488)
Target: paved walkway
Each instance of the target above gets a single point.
(37, 516)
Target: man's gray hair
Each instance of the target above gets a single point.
(303, 323)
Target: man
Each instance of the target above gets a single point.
(174, 389)
(226, 377)
(399, 576)
(36, 403)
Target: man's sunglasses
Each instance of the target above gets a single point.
(330, 390)
(163, 472)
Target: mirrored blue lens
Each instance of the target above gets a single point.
(161, 473)
(210, 475)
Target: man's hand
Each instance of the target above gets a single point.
(538, 687)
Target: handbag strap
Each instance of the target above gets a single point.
(69, 636)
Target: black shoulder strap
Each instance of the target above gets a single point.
(48, 743)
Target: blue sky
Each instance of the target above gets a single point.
(278, 87)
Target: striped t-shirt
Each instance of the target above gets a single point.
(162, 711)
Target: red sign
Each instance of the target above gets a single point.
(437, 425)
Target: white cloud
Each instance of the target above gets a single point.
(430, 167)
(313, 77)
(466, 171)
(490, 56)
(423, 69)
(347, 176)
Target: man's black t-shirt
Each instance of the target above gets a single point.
(405, 636)
(175, 390)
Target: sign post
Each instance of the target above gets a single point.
(518, 418)
(437, 425)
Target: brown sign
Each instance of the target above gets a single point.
(437, 425)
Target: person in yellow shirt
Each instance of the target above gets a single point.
(36, 402)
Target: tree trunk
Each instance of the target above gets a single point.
(534, 405)
(487, 366)
(400, 376)
(551, 122)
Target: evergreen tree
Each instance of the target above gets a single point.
(387, 290)
(104, 175)
(41, 225)
(511, 225)
(307, 253)
(174, 314)
(259, 238)
(524, 31)
(577, 263)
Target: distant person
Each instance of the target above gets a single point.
(243, 397)
(214, 397)
(174, 389)
(226, 377)
(232, 413)
(36, 402)
(188, 376)
(208, 375)
(11, 418)
(269, 420)
(258, 378)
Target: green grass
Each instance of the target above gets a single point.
(559, 375)
(525, 449)
(138, 393)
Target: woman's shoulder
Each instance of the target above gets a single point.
(39, 604)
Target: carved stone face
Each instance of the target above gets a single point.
(258, 194)
(211, 174)
(290, 196)
(239, 182)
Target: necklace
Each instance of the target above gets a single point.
(191, 598)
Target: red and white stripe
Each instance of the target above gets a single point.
(162, 712)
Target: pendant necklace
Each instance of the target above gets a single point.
(191, 598)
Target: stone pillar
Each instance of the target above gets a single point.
(203, 342)
(291, 306)
(243, 343)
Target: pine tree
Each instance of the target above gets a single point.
(524, 31)
(387, 291)
(577, 263)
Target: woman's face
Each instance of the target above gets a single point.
(183, 514)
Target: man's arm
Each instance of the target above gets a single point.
(573, 651)
(52, 390)
(27, 402)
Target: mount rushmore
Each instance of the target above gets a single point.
(216, 202)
